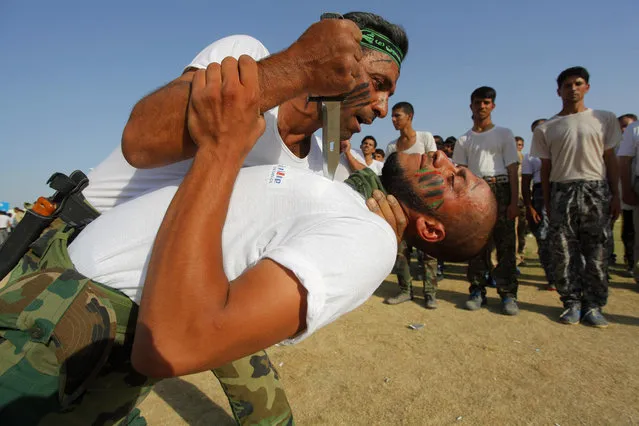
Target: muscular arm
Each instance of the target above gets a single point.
(156, 133)
(191, 318)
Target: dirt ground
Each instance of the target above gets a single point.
(461, 368)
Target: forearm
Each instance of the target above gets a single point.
(612, 172)
(625, 164)
(186, 288)
(156, 133)
(525, 189)
(513, 178)
(353, 163)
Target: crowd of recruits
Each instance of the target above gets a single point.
(570, 210)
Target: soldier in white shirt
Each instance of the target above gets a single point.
(411, 141)
(489, 151)
(576, 148)
(535, 211)
(627, 222)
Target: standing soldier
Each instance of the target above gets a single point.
(577, 154)
(535, 210)
(489, 151)
(411, 141)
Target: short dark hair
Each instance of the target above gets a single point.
(466, 234)
(536, 123)
(438, 139)
(371, 138)
(393, 32)
(483, 92)
(450, 140)
(381, 152)
(631, 116)
(519, 138)
(572, 72)
(404, 106)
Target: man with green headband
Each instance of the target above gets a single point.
(358, 56)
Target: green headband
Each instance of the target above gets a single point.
(374, 40)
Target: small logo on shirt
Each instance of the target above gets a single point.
(277, 175)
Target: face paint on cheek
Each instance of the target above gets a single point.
(359, 96)
(432, 182)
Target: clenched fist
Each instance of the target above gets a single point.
(329, 56)
(223, 112)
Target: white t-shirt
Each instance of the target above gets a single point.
(630, 144)
(5, 221)
(114, 181)
(375, 166)
(320, 230)
(487, 153)
(531, 166)
(424, 142)
(575, 144)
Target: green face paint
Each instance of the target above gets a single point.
(376, 41)
(432, 182)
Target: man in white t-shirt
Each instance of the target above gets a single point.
(576, 148)
(368, 147)
(535, 210)
(232, 261)
(333, 56)
(627, 221)
(490, 152)
(411, 141)
(629, 171)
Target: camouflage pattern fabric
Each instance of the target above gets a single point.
(65, 351)
(255, 392)
(579, 234)
(505, 273)
(426, 266)
(540, 231)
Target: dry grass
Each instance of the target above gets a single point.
(461, 368)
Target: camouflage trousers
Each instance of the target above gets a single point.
(505, 273)
(65, 352)
(426, 266)
(540, 231)
(579, 236)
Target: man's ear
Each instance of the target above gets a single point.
(429, 229)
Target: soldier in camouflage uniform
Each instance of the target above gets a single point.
(411, 141)
(535, 210)
(579, 179)
(426, 269)
(490, 151)
(65, 351)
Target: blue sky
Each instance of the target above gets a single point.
(71, 70)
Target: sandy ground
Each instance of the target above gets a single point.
(461, 368)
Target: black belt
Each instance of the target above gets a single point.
(496, 179)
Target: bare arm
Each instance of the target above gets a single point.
(191, 319)
(513, 179)
(546, 167)
(612, 172)
(323, 61)
(625, 173)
